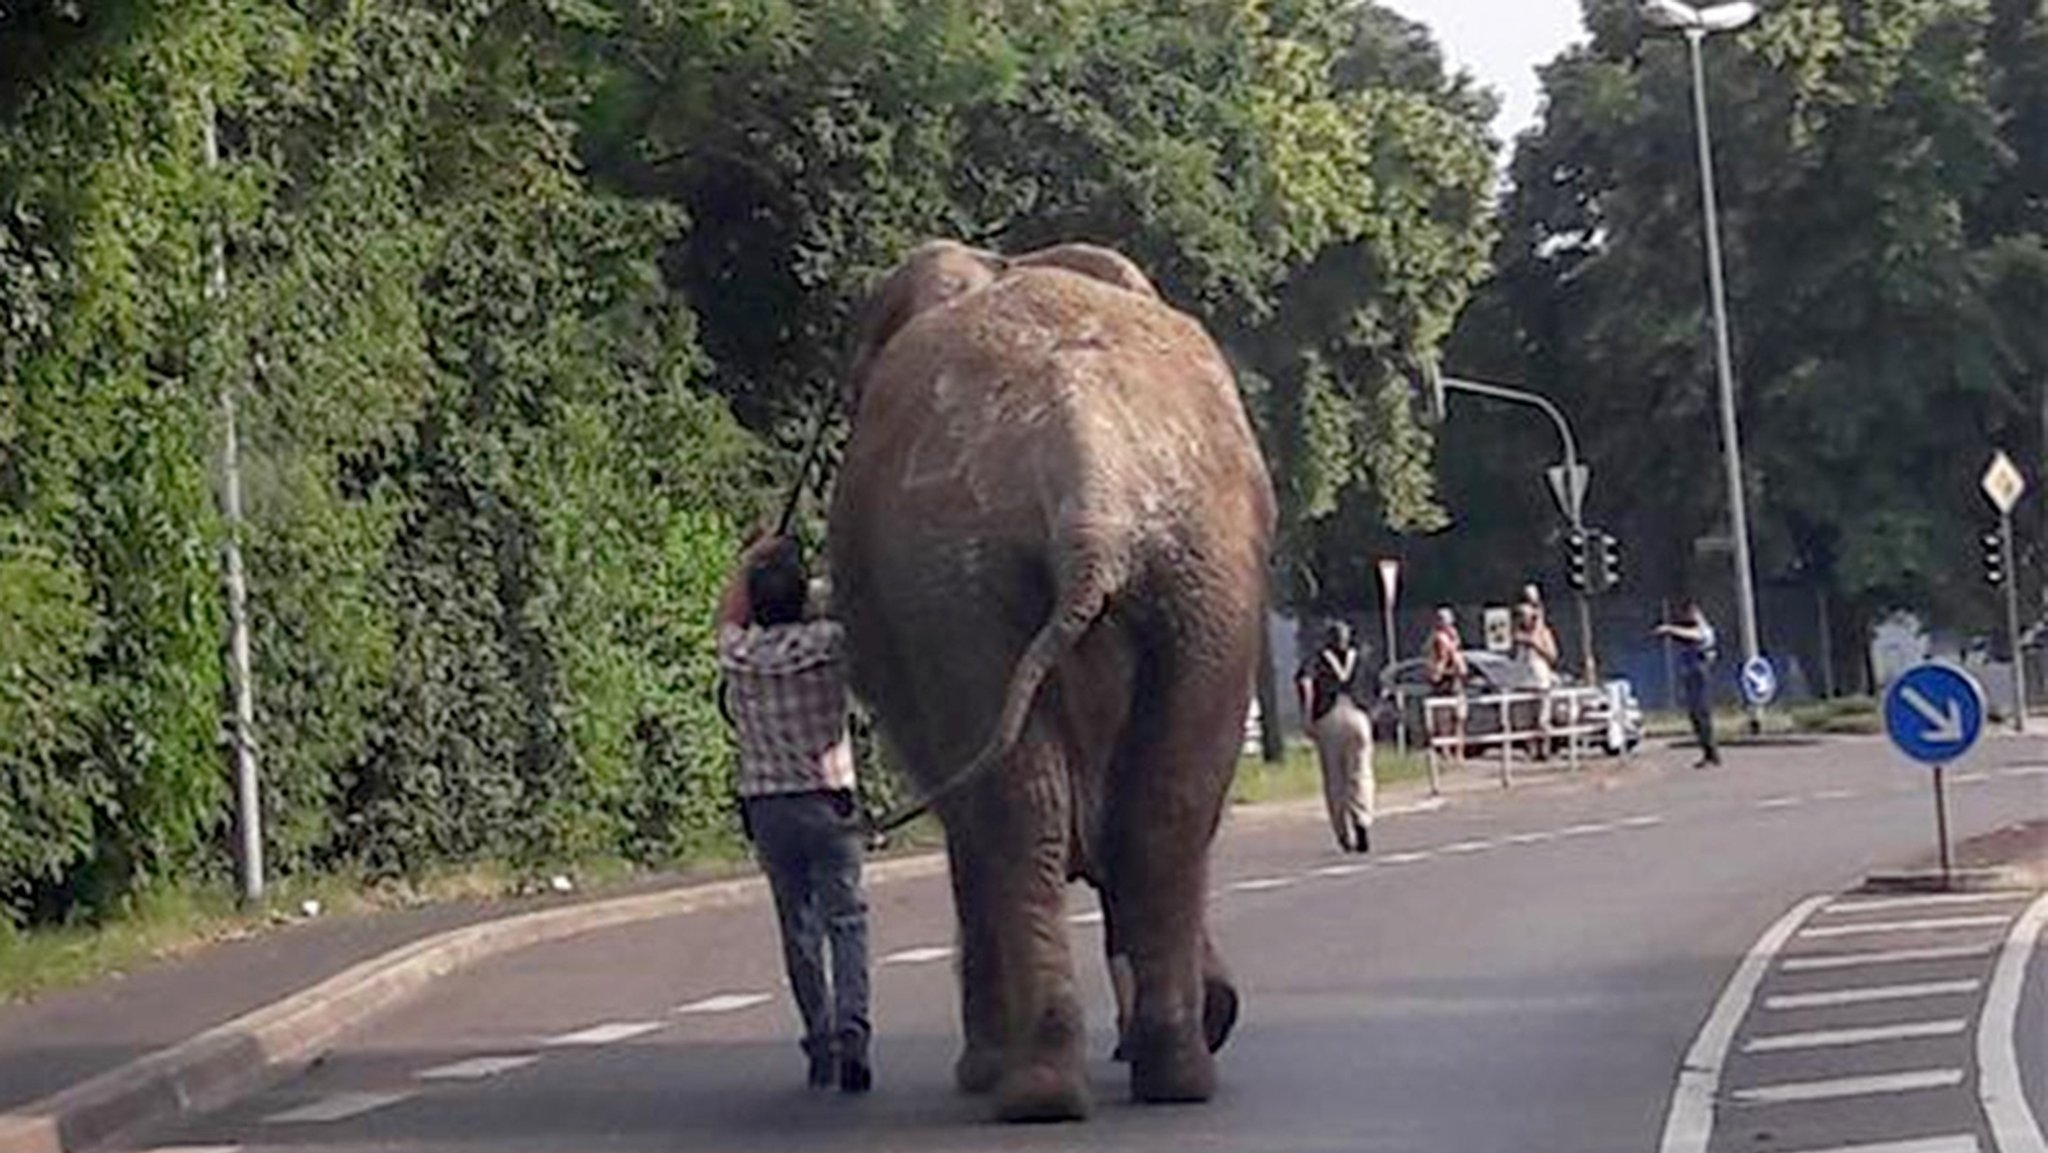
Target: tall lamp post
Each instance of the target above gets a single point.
(1697, 24)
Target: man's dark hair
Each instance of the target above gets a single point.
(778, 587)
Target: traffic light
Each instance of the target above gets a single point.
(1994, 558)
(1575, 547)
(1610, 562)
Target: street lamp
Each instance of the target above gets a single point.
(1697, 24)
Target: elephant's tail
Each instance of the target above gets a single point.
(1080, 602)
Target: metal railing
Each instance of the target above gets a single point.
(1541, 720)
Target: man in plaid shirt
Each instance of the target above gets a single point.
(786, 690)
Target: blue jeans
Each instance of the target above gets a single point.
(809, 844)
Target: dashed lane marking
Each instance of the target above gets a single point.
(1837, 1038)
(1836, 795)
(1934, 925)
(1689, 1122)
(476, 1068)
(197, 1149)
(1869, 994)
(921, 956)
(1820, 961)
(1531, 838)
(1956, 1143)
(1467, 847)
(728, 1002)
(1338, 870)
(1260, 884)
(1780, 802)
(1642, 822)
(1928, 901)
(1586, 830)
(2014, 1128)
(1839, 1087)
(336, 1107)
(606, 1034)
(1404, 858)
(1976, 778)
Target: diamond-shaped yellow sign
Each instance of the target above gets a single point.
(2003, 483)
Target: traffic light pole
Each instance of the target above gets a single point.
(1574, 498)
(2012, 624)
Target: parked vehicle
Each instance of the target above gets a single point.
(1403, 688)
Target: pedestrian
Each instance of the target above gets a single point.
(1696, 655)
(1446, 670)
(1328, 686)
(785, 689)
(1533, 646)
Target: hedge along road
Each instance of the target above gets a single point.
(1520, 972)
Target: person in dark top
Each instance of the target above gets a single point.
(1696, 653)
(1327, 686)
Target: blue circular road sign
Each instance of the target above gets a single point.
(1759, 681)
(1934, 712)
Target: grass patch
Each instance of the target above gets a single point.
(1845, 715)
(1298, 775)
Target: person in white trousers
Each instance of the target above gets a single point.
(1328, 689)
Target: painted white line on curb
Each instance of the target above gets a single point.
(1260, 884)
(1339, 870)
(727, 1003)
(336, 1107)
(606, 1034)
(1404, 858)
(1838, 1087)
(2014, 1128)
(1959, 1143)
(1934, 925)
(1780, 802)
(1689, 1122)
(1929, 901)
(1819, 961)
(923, 956)
(1467, 847)
(1872, 993)
(1836, 1038)
(476, 1068)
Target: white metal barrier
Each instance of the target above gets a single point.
(1545, 718)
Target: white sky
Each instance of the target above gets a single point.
(1500, 42)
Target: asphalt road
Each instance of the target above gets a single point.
(1518, 972)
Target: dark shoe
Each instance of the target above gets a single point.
(1361, 838)
(855, 1075)
(824, 1070)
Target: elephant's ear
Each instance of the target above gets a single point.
(933, 274)
(1092, 260)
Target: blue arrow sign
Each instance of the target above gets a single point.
(1759, 681)
(1934, 712)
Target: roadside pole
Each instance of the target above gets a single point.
(1390, 584)
(1934, 714)
(2003, 486)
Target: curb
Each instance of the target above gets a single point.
(268, 1044)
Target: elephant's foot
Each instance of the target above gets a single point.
(978, 1070)
(1219, 1010)
(1170, 1067)
(1043, 1091)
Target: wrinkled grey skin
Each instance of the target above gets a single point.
(1048, 544)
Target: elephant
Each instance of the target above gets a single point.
(1048, 543)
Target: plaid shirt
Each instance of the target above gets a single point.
(787, 689)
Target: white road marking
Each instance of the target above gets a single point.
(605, 1034)
(925, 955)
(1868, 994)
(2027, 771)
(1927, 901)
(1836, 795)
(1838, 1087)
(1780, 802)
(1260, 884)
(2014, 1128)
(1819, 961)
(1338, 870)
(1586, 830)
(1642, 822)
(197, 1149)
(1969, 778)
(1467, 847)
(1404, 858)
(1835, 1038)
(1936, 925)
(1531, 838)
(1689, 1122)
(336, 1107)
(476, 1068)
(1959, 1143)
(729, 1002)
(1092, 917)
